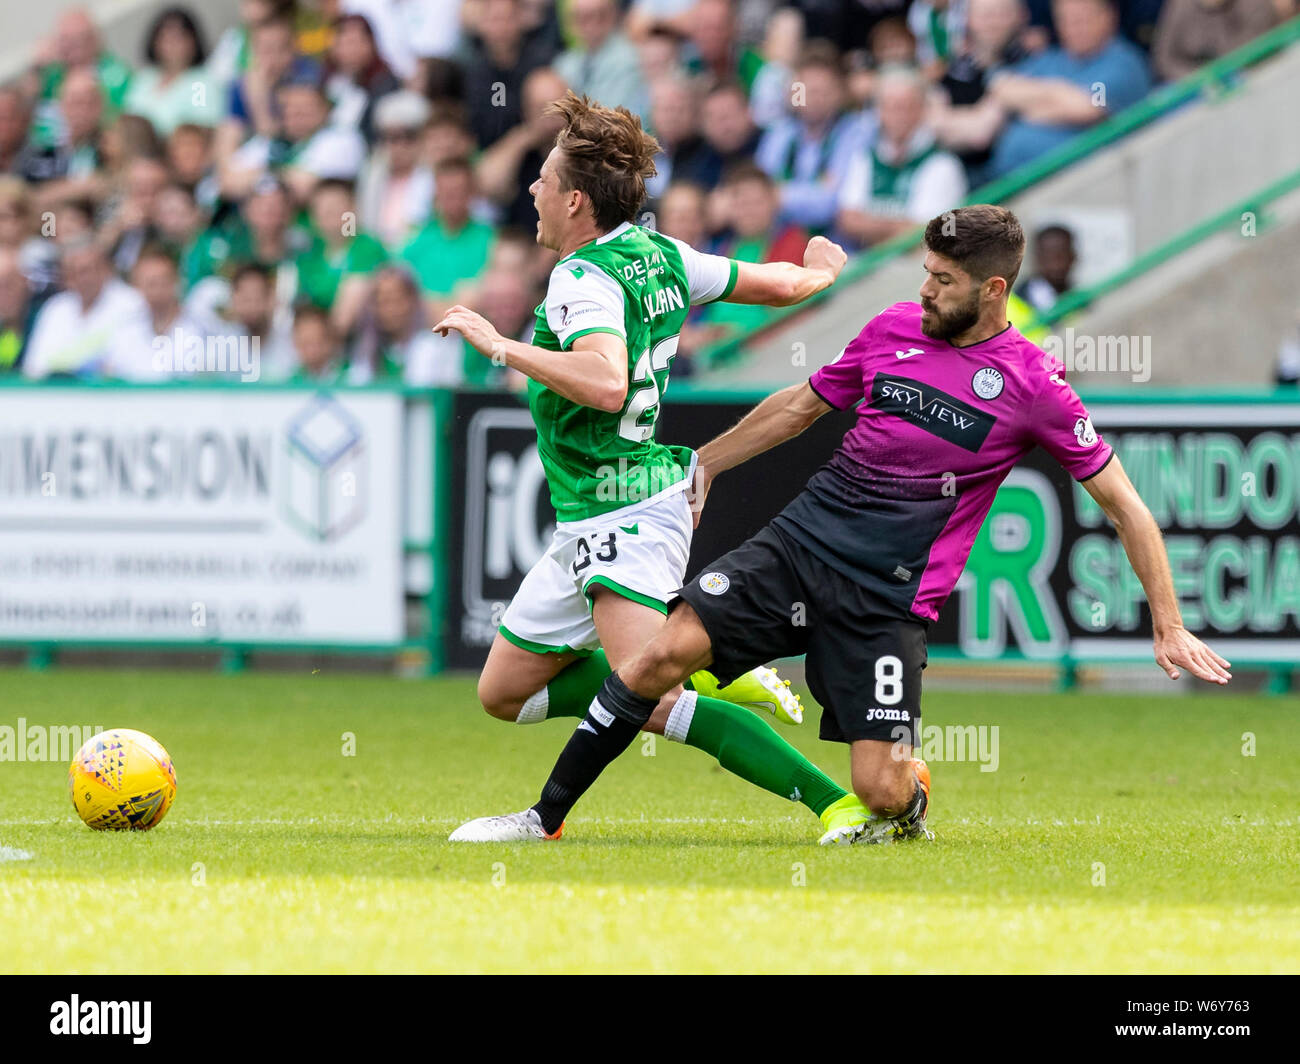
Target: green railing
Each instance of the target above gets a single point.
(1227, 218)
(1212, 81)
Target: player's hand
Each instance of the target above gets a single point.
(476, 329)
(826, 255)
(698, 491)
(1178, 647)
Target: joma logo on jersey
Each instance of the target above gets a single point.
(663, 301)
(933, 410)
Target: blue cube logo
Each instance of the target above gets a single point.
(326, 466)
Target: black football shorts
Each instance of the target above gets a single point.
(771, 598)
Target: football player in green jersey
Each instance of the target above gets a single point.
(598, 367)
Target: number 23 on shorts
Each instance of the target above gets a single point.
(604, 550)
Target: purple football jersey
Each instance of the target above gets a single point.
(900, 502)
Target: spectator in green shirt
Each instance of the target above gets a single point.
(452, 247)
(75, 43)
(334, 272)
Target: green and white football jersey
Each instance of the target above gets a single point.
(638, 285)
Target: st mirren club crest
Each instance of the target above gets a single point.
(987, 383)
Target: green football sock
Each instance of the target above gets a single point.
(741, 742)
(751, 749)
(571, 692)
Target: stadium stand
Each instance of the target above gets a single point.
(228, 137)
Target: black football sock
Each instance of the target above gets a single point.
(613, 720)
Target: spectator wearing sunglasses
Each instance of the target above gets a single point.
(395, 192)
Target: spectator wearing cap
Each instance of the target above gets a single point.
(74, 45)
(359, 76)
(502, 55)
(603, 64)
(335, 271)
(74, 332)
(173, 87)
(808, 152)
(395, 190)
(306, 150)
(17, 312)
(453, 246)
(905, 178)
(507, 170)
(1191, 33)
(1051, 97)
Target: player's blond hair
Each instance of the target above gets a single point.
(607, 156)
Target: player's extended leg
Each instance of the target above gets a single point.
(741, 743)
(894, 785)
(511, 675)
(527, 686)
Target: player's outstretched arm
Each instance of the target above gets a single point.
(783, 284)
(779, 417)
(593, 372)
(1175, 646)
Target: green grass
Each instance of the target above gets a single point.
(312, 861)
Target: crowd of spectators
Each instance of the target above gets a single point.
(326, 177)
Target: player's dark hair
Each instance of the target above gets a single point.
(607, 157)
(983, 239)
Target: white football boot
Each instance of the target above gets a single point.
(513, 827)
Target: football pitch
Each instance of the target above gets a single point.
(1117, 834)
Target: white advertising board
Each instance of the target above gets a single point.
(207, 515)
